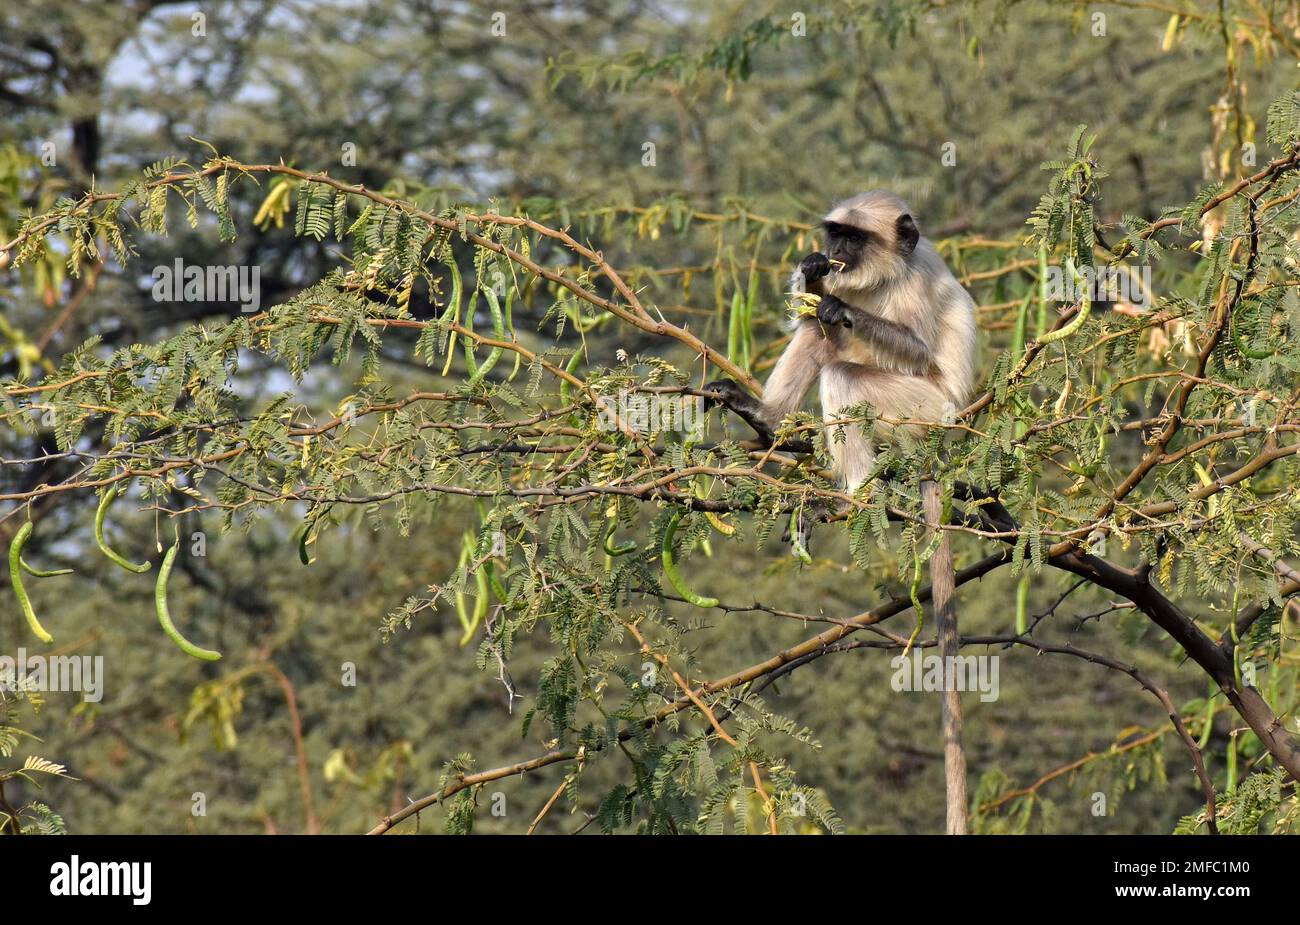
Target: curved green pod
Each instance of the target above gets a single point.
(510, 329)
(621, 549)
(470, 621)
(498, 588)
(303, 555)
(452, 313)
(1085, 308)
(462, 611)
(164, 615)
(670, 567)
(42, 573)
(480, 606)
(914, 592)
(1244, 347)
(571, 367)
(1250, 352)
(467, 342)
(16, 580)
(580, 324)
(104, 502)
(498, 331)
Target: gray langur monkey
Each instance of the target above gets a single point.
(893, 328)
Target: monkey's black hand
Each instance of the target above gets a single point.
(814, 267)
(832, 311)
(729, 393)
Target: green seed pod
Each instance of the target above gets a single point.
(16, 580)
(467, 342)
(462, 610)
(914, 592)
(498, 588)
(571, 367)
(1041, 321)
(104, 502)
(303, 554)
(41, 573)
(1244, 347)
(1085, 308)
(480, 606)
(1022, 605)
(164, 616)
(498, 332)
(1208, 720)
(452, 313)
(621, 549)
(670, 567)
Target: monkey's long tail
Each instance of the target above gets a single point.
(943, 588)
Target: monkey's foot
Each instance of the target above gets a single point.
(749, 409)
(798, 530)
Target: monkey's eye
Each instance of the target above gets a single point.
(845, 234)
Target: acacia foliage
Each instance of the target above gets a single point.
(525, 426)
(514, 423)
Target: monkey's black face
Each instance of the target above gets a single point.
(846, 244)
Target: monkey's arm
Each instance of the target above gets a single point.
(897, 340)
(790, 381)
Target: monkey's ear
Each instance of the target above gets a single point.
(906, 234)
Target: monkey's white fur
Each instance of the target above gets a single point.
(915, 291)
